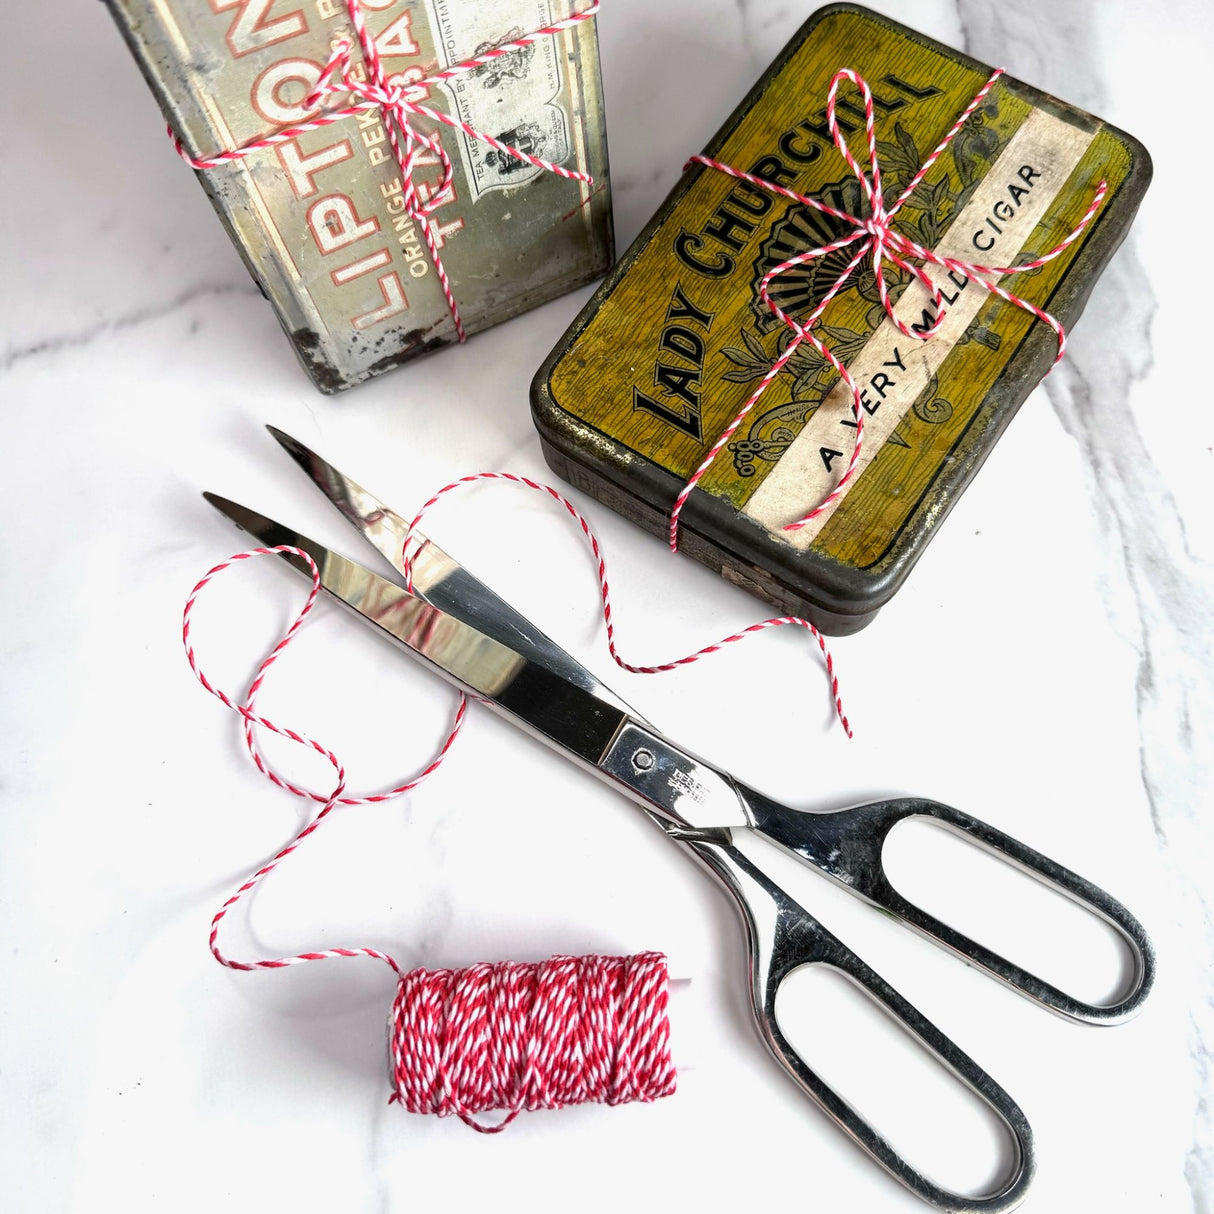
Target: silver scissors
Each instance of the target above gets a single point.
(458, 627)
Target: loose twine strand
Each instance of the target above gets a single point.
(505, 1036)
(400, 102)
(875, 238)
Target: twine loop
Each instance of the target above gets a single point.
(876, 240)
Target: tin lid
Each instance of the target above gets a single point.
(677, 338)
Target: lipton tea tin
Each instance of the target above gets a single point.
(323, 219)
(678, 336)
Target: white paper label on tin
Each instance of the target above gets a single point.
(892, 369)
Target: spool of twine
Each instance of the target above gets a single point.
(508, 1037)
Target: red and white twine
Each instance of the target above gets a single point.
(605, 591)
(399, 101)
(571, 1030)
(874, 238)
(507, 1036)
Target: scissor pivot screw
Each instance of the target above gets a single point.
(643, 759)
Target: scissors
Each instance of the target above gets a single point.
(461, 629)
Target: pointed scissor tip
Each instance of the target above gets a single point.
(285, 440)
(256, 524)
(225, 505)
(233, 511)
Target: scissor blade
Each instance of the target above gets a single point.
(381, 526)
(571, 717)
(437, 577)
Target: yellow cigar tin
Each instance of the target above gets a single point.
(676, 338)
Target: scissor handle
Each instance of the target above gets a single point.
(783, 937)
(847, 845)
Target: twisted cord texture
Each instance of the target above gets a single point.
(571, 1030)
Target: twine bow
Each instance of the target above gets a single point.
(876, 239)
(400, 103)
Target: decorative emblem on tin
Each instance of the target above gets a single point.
(801, 289)
(518, 97)
(931, 407)
(512, 66)
(529, 137)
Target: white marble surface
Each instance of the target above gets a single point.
(139, 364)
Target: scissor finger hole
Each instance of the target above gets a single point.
(939, 1126)
(1007, 909)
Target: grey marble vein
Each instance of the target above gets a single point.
(77, 338)
(1171, 629)
(1170, 613)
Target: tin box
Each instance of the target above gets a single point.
(676, 338)
(320, 221)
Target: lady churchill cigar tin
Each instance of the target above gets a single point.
(366, 264)
(678, 336)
